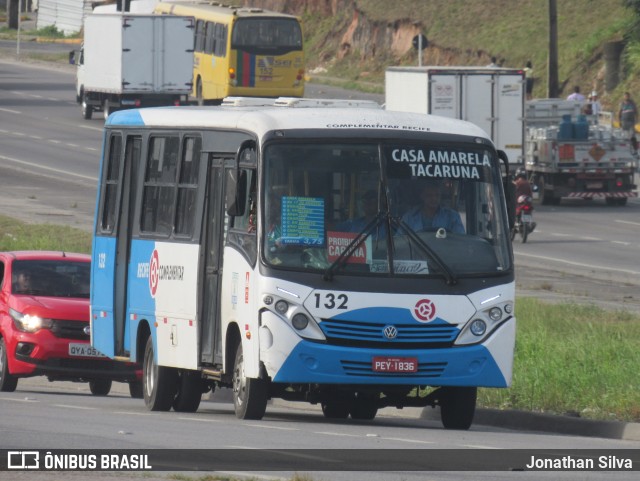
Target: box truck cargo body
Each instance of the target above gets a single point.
(491, 98)
(134, 60)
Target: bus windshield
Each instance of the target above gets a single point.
(396, 208)
(267, 35)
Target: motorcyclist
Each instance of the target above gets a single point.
(522, 188)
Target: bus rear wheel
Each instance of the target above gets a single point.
(159, 383)
(457, 407)
(189, 392)
(249, 394)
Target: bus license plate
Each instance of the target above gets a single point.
(395, 364)
(83, 350)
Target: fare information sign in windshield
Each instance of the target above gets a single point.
(303, 221)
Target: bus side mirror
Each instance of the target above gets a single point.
(72, 57)
(509, 189)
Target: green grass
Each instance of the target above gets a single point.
(573, 359)
(16, 235)
(569, 358)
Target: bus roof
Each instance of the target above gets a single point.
(214, 10)
(286, 114)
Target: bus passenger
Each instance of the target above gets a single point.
(431, 215)
(369, 204)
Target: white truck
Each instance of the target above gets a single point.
(491, 98)
(134, 60)
(569, 154)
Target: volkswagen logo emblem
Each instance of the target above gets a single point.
(87, 330)
(390, 332)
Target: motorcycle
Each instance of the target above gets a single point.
(524, 224)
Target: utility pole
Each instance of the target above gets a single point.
(552, 68)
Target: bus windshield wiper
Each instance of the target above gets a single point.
(446, 271)
(353, 245)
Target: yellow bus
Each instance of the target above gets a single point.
(241, 51)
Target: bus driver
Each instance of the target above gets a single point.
(431, 215)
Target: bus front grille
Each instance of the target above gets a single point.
(354, 333)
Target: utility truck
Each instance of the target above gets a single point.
(569, 154)
(491, 98)
(133, 60)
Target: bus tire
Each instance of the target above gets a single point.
(135, 389)
(364, 407)
(159, 383)
(457, 407)
(249, 394)
(100, 387)
(337, 409)
(189, 392)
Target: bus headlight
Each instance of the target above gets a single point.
(300, 321)
(478, 327)
(495, 313)
(282, 307)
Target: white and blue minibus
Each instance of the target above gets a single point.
(323, 251)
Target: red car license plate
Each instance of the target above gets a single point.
(395, 364)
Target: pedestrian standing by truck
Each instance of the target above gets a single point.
(528, 74)
(628, 115)
(576, 95)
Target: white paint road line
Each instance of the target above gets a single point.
(627, 222)
(70, 406)
(579, 264)
(50, 169)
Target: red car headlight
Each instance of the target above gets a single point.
(29, 323)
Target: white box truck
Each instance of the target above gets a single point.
(491, 98)
(134, 60)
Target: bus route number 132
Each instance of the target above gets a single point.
(332, 301)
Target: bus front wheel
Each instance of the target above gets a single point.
(249, 394)
(457, 407)
(159, 383)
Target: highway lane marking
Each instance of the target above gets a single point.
(405, 440)
(628, 222)
(621, 243)
(203, 420)
(11, 112)
(54, 141)
(26, 400)
(35, 137)
(272, 427)
(131, 413)
(19, 134)
(592, 239)
(70, 406)
(579, 264)
(51, 169)
(330, 433)
(89, 127)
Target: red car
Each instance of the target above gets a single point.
(44, 324)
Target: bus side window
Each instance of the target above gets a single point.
(209, 39)
(159, 186)
(242, 234)
(200, 36)
(188, 186)
(246, 222)
(111, 183)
